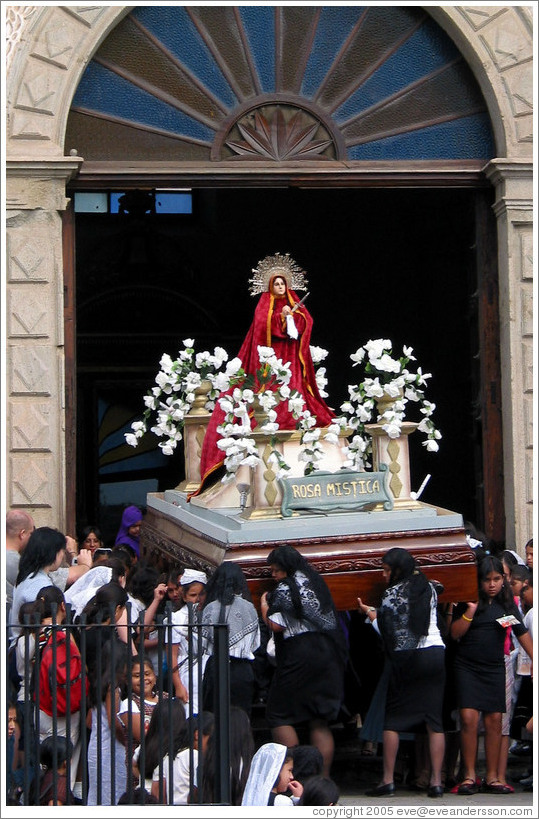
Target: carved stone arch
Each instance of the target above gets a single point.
(497, 44)
(49, 48)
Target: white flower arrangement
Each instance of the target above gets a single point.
(389, 385)
(387, 379)
(174, 394)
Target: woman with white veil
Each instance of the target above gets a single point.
(270, 776)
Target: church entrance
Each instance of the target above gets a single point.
(414, 265)
(353, 139)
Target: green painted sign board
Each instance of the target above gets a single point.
(345, 490)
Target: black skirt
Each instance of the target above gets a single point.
(308, 681)
(481, 687)
(415, 695)
(242, 684)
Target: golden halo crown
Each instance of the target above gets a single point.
(277, 265)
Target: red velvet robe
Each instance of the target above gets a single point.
(268, 329)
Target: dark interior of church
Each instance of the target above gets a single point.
(391, 263)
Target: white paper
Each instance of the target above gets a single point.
(291, 328)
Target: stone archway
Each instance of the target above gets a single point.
(47, 51)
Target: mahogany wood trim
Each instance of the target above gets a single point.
(350, 565)
(490, 371)
(98, 175)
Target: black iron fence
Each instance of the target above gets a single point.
(71, 677)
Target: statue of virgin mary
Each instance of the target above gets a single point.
(283, 323)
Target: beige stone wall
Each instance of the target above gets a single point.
(46, 51)
(513, 209)
(34, 376)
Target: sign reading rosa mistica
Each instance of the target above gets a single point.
(345, 490)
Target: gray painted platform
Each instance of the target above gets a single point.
(228, 527)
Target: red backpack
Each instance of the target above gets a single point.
(66, 679)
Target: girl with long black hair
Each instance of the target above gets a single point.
(43, 554)
(307, 685)
(407, 622)
(242, 749)
(228, 600)
(480, 629)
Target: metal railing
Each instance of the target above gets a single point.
(106, 655)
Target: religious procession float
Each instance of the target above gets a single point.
(268, 462)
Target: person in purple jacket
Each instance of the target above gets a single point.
(129, 531)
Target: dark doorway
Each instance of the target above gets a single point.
(392, 263)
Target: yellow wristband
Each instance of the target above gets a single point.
(468, 619)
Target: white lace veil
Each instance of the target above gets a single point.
(265, 767)
(86, 586)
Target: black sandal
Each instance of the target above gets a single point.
(466, 788)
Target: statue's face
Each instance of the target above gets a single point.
(278, 286)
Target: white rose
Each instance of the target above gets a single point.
(250, 460)
(228, 445)
(296, 404)
(192, 381)
(162, 380)
(318, 354)
(202, 359)
(373, 388)
(284, 392)
(226, 405)
(377, 348)
(387, 364)
(423, 425)
(411, 394)
(220, 382)
(220, 355)
(267, 401)
(392, 389)
(269, 428)
(265, 353)
(166, 362)
(408, 353)
(427, 408)
(331, 437)
(358, 356)
(432, 446)
(392, 428)
(233, 366)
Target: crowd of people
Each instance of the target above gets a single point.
(140, 723)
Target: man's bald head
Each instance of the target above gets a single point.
(19, 527)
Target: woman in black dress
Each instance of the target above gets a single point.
(407, 622)
(307, 686)
(479, 628)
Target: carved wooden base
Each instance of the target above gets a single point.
(350, 564)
